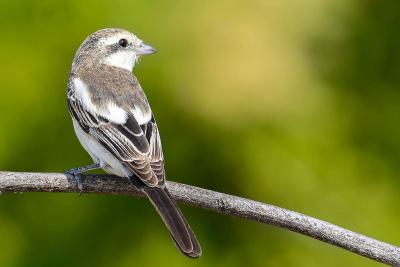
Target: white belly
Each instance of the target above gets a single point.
(100, 154)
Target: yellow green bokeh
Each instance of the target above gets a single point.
(293, 103)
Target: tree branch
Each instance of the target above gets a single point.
(214, 201)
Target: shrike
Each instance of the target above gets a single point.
(114, 123)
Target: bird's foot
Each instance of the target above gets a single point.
(76, 174)
(77, 177)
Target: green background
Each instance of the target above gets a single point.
(293, 103)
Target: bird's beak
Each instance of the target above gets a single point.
(145, 49)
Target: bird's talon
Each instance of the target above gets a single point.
(77, 178)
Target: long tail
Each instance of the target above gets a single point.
(173, 218)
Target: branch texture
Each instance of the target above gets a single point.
(11, 182)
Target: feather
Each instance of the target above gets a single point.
(136, 147)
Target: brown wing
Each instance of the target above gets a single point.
(139, 148)
(156, 154)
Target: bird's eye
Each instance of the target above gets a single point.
(123, 42)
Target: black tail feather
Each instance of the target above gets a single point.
(173, 218)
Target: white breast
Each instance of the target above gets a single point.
(100, 154)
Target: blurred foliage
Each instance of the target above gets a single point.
(294, 103)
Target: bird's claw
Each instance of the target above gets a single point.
(77, 177)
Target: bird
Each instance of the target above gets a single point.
(114, 123)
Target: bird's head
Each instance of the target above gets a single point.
(115, 47)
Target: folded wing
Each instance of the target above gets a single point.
(138, 147)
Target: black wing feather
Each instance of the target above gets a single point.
(127, 142)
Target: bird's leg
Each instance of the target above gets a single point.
(75, 174)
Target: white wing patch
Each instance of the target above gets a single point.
(141, 116)
(83, 95)
(116, 114)
(111, 112)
